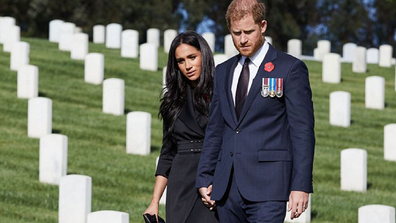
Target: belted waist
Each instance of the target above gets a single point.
(192, 146)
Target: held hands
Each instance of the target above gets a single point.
(206, 192)
(298, 203)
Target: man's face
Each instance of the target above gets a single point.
(247, 35)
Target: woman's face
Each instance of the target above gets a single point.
(189, 60)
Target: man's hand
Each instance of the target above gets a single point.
(298, 203)
(206, 192)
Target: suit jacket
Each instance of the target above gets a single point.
(271, 146)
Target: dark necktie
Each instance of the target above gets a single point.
(242, 87)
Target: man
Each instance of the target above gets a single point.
(259, 143)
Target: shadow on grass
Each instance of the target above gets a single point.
(56, 131)
(41, 94)
(155, 148)
(127, 110)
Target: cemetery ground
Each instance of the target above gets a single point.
(124, 182)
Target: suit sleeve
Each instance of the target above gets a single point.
(168, 152)
(299, 108)
(212, 142)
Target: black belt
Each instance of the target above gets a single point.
(192, 146)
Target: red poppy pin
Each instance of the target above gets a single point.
(269, 66)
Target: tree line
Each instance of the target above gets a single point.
(366, 23)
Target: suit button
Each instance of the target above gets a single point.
(237, 131)
(231, 154)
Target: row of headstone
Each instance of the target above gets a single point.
(5, 24)
(354, 170)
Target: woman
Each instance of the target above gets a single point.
(184, 110)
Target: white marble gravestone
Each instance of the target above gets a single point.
(164, 76)
(324, 47)
(331, 68)
(305, 217)
(108, 217)
(229, 48)
(219, 58)
(39, 117)
(354, 170)
(94, 68)
(210, 39)
(390, 142)
(148, 57)
(113, 96)
(99, 34)
(130, 43)
(163, 197)
(55, 27)
(372, 56)
(79, 46)
(169, 36)
(75, 194)
(113, 36)
(66, 36)
(359, 62)
(376, 213)
(375, 92)
(294, 48)
(385, 55)
(19, 55)
(5, 23)
(153, 36)
(27, 82)
(340, 108)
(138, 133)
(53, 158)
(13, 36)
(348, 52)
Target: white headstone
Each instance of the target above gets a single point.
(153, 36)
(108, 217)
(372, 56)
(55, 27)
(94, 68)
(376, 213)
(229, 48)
(130, 43)
(77, 30)
(219, 58)
(13, 36)
(390, 142)
(359, 63)
(354, 170)
(19, 55)
(80, 46)
(164, 76)
(348, 52)
(113, 96)
(268, 39)
(210, 39)
(331, 69)
(169, 36)
(113, 36)
(375, 92)
(66, 36)
(148, 57)
(39, 117)
(294, 48)
(75, 194)
(305, 217)
(340, 108)
(53, 158)
(385, 55)
(163, 197)
(324, 47)
(99, 34)
(138, 133)
(27, 82)
(5, 23)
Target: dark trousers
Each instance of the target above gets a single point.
(233, 208)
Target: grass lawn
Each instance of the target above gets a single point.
(124, 182)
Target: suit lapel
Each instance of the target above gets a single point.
(256, 85)
(229, 78)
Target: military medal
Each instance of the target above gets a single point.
(265, 88)
(272, 87)
(279, 87)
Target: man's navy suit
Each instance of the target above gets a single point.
(271, 147)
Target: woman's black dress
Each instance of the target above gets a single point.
(178, 162)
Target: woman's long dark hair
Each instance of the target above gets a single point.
(174, 94)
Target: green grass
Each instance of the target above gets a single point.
(124, 182)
